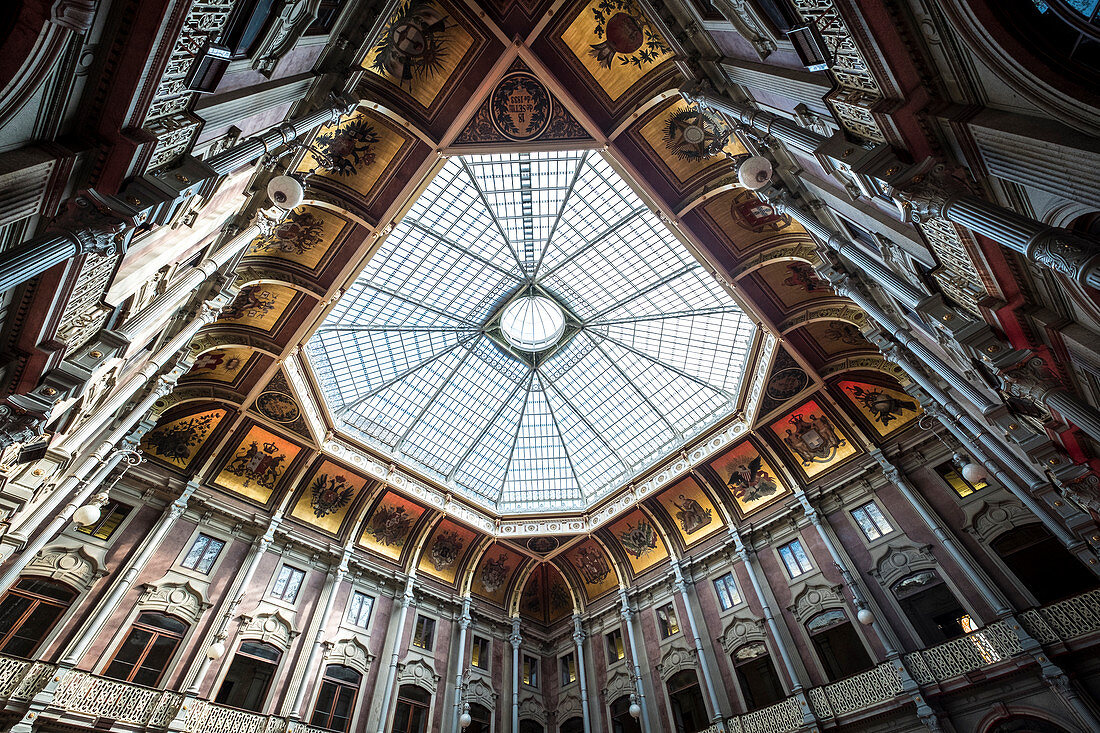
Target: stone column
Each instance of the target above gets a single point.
(233, 601)
(404, 601)
(763, 122)
(708, 680)
(516, 641)
(104, 460)
(104, 225)
(578, 641)
(808, 718)
(628, 619)
(463, 628)
(92, 626)
(332, 586)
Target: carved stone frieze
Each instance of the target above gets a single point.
(901, 558)
(350, 652)
(989, 520)
(813, 599)
(178, 599)
(274, 628)
(70, 565)
(417, 671)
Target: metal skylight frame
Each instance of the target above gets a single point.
(656, 355)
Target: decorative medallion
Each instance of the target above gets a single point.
(390, 525)
(412, 46)
(445, 550)
(520, 107)
(691, 515)
(626, 36)
(786, 383)
(343, 150)
(542, 545)
(329, 494)
(278, 407)
(639, 539)
(494, 573)
(756, 216)
(592, 565)
(693, 135)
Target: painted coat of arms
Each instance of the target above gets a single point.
(691, 515)
(258, 464)
(344, 150)
(445, 549)
(886, 408)
(390, 525)
(814, 440)
(175, 442)
(626, 34)
(639, 540)
(412, 46)
(329, 494)
(494, 573)
(750, 213)
(593, 566)
(520, 107)
(251, 302)
(803, 277)
(297, 234)
(750, 482)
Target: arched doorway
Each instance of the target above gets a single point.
(621, 720)
(689, 712)
(1042, 563)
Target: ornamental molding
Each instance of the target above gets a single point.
(481, 692)
(350, 652)
(661, 476)
(899, 559)
(533, 707)
(273, 628)
(743, 628)
(676, 658)
(176, 599)
(73, 566)
(568, 705)
(419, 673)
(618, 684)
(989, 520)
(813, 599)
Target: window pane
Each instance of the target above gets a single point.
(323, 707)
(293, 585)
(156, 660)
(128, 654)
(213, 549)
(863, 519)
(198, 547)
(11, 610)
(279, 588)
(879, 518)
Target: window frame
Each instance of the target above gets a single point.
(281, 597)
(37, 599)
(567, 667)
(244, 14)
(156, 632)
(430, 624)
(195, 539)
(484, 652)
(730, 583)
(943, 470)
(873, 505)
(339, 685)
(275, 664)
(365, 625)
(106, 512)
(615, 651)
(794, 556)
(668, 625)
(529, 671)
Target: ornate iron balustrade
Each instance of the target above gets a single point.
(858, 692)
(783, 717)
(82, 692)
(1065, 620)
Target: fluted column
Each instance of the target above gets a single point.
(797, 690)
(516, 641)
(234, 599)
(405, 600)
(628, 620)
(104, 460)
(95, 624)
(463, 628)
(704, 666)
(105, 224)
(578, 641)
(332, 586)
(764, 122)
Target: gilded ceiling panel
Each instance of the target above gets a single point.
(882, 408)
(177, 442)
(691, 510)
(593, 566)
(752, 481)
(257, 464)
(638, 537)
(496, 571)
(390, 525)
(812, 439)
(304, 238)
(445, 550)
(327, 496)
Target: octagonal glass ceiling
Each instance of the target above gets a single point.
(636, 350)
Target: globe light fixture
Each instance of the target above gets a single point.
(87, 515)
(755, 172)
(215, 651)
(865, 617)
(973, 472)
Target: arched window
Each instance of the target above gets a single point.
(480, 719)
(837, 644)
(1025, 724)
(931, 607)
(760, 685)
(621, 720)
(336, 699)
(1042, 563)
(573, 725)
(531, 726)
(29, 611)
(249, 677)
(689, 712)
(1065, 32)
(412, 710)
(144, 654)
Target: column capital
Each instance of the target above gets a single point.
(928, 192)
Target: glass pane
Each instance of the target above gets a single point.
(878, 518)
(865, 523)
(354, 605)
(11, 610)
(213, 549)
(34, 629)
(279, 588)
(48, 588)
(128, 654)
(294, 583)
(156, 660)
(195, 553)
(323, 706)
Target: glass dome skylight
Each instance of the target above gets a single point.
(531, 335)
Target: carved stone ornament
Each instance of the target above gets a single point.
(70, 565)
(273, 628)
(618, 684)
(813, 599)
(418, 672)
(899, 559)
(351, 653)
(676, 658)
(568, 705)
(742, 629)
(533, 707)
(18, 427)
(1061, 251)
(480, 692)
(94, 226)
(177, 599)
(925, 195)
(283, 33)
(992, 519)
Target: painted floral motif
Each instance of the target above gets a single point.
(445, 549)
(390, 525)
(625, 34)
(844, 333)
(815, 440)
(803, 277)
(639, 540)
(329, 494)
(297, 234)
(412, 46)
(259, 464)
(344, 150)
(749, 482)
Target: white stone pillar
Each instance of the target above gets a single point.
(578, 640)
(628, 619)
(404, 601)
(463, 627)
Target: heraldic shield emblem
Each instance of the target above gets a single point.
(815, 440)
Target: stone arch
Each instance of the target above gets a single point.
(793, 247)
(183, 600)
(897, 560)
(533, 707)
(350, 652)
(618, 684)
(418, 673)
(676, 658)
(815, 311)
(743, 628)
(273, 628)
(992, 519)
(482, 693)
(1023, 719)
(813, 599)
(72, 566)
